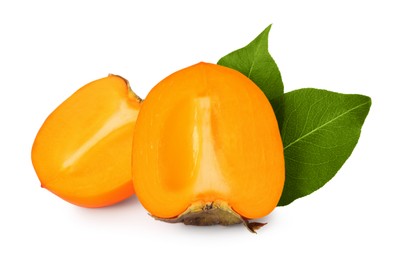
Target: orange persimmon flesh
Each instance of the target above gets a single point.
(82, 152)
(207, 135)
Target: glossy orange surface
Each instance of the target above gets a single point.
(82, 153)
(207, 133)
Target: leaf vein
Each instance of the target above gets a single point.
(325, 124)
(254, 59)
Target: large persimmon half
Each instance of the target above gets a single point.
(82, 152)
(207, 149)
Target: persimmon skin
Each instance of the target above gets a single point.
(82, 152)
(207, 134)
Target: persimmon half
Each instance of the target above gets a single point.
(82, 153)
(207, 149)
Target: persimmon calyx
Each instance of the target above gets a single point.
(131, 93)
(216, 212)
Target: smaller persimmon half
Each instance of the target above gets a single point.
(207, 149)
(82, 152)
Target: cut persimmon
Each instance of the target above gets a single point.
(207, 149)
(82, 152)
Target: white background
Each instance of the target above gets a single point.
(48, 49)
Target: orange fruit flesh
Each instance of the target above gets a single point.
(82, 152)
(207, 133)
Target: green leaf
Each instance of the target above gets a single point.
(319, 131)
(256, 63)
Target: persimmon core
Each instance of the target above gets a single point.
(122, 116)
(188, 157)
